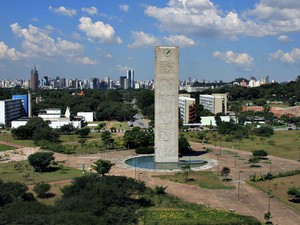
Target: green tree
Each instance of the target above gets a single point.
(225, 172)
(67, 129)
(21, 133)
(102, 166)
(202, 136)
(184, 145)
(82, 141)
(186, 170)
(83, 132)
(12, 192)
(45, 134)
(40, 161)
(106, 138)
(113, 96)
(253, 161)
(294, 192)
(218, 119)
(260, 153)
(267, 217)
(138, 138)
(42, 189)
(264, 131)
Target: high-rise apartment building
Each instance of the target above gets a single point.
(34, 79)
(123, 82)
(11, 109)
(130, 78)
(187, 109)
(216, 103)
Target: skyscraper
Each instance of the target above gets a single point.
(130, 78)
(124, 82)
(34, 79)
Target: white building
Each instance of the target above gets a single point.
(55, 117)
(215, 103)
(87, 116)
(210, 120)
(187, 109)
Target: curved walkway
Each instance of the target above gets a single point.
(251, 200)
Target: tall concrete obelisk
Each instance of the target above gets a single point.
(166, 104)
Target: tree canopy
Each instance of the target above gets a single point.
(40, 161)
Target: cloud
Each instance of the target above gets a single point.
(179, 40)
(63, 11)
(203, 18)
(124, 7)
(91, 11)
(284, 38)
(85, 60)
(242, 60)
(105, 33)
(9, 53)
(121, 68)
(286, 57)
(104, 53)
(37, 43)
(142, 40)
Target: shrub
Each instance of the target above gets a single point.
(260, 153)
(228, 139)
(145, 150)
(102, 166)
(41, 189)
(160, 189)
(262, 177)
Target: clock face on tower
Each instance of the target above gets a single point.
(167, 52)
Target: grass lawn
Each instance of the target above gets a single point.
(203, 179)
(279, 188)
(6, 136)
(5, 147)
(24, 173)
(284, 144)
(168, 209)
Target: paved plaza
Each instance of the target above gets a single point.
(251, 200)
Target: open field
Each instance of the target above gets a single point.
(5, 147)
(6, 136)
(204, 179)
(22, 172)
(284, 144)
(279, 188)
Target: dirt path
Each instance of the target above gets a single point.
(248, 201)
(12, 144)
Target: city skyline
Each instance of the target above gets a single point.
(218, 40)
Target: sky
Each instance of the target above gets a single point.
(217, 39)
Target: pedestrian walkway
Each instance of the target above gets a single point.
(248, 201)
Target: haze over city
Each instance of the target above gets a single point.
(218, 40)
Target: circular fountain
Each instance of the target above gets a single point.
(146, 162)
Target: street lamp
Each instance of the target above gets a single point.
(269, 190)
(220, 152)
(218, 156)
(235, 156)
(135, 168)
(239, 184)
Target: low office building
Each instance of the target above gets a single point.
(215, 103)
(55, 117)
